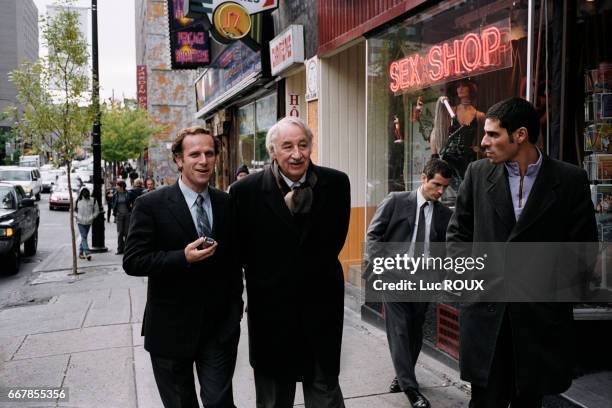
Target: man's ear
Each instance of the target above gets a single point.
(423, 178)
(271, 153)
(521, 135)
(178, 160)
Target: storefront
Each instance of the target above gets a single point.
(433, 75)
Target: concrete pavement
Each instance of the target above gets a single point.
(83, 333)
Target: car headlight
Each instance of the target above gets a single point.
(6, 232)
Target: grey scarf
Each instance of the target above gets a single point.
(299, 199)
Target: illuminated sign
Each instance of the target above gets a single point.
(141, 85)
(188, 40)
(476, 52)
(232, 21)
(287, 49)
(234, 69)
(251, 6)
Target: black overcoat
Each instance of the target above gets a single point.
(559, 209)
(295, 283)
(184, 302)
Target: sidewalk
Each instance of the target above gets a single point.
(83, 333)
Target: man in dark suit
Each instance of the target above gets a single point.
(194, 296)
(415, 217)
(294, 216)
(514, 353)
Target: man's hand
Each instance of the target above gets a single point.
(193, 254)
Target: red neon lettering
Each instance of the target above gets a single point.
(435, 61)
(491, 41)
(476, 52)
(236, 17)
(404, 70)
(393, 68)
(451, 58)
(414, 70)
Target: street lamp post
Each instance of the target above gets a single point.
(97, 232)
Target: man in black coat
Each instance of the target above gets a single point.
(514, 353)
(292, 219)
(194, 296)
(411, 217)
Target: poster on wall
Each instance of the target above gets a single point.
(189, 42)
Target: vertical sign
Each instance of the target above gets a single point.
(141, 85)
(293, 108)
(188, 39)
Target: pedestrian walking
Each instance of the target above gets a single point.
(86, 210)
(122, 207)
(416, 217)
(149, 184)
(515, 353)
(108, 196)
(137, 190)
(194, 297)
(293, 217)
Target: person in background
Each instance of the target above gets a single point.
(86, 210)
(137, 190)
(149, 184)
(122, 207)
(242, 172)
(108, 196)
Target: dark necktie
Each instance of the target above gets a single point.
(419, 242)
(203, 223)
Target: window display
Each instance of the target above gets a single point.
(254, 120)
(430, 80)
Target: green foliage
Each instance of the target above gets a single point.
(125, 132)
(53, 91)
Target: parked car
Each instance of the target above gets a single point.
(28, 178)
(49, 178)
(60, 198)
(19, 220)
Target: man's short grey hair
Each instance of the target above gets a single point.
(284, 122)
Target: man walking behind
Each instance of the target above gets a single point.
(194, 302)
(415, 217)
(514, 353)
(293, 218)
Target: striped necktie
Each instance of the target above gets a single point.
(203, 223)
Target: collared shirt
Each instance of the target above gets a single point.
(191, 197)
(428, 217)
(520, 187)
(290, 183)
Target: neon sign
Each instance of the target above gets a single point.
(188, 41)
(485, 50)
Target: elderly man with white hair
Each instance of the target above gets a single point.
(292, 219)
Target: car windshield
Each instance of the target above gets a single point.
(15, 175)
(7, 200)
(48, 176)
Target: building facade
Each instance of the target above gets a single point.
(167, 94)
(18, 43)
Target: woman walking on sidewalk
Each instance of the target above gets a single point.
(122, 207)
(86, 211)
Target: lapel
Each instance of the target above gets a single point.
(218, 210)
(274, 199)
(178, 208)
(498, 190)
(541, 197)
(406, 210)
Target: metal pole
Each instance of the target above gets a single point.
(530, 28)
(97, 232)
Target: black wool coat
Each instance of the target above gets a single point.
(295, 283)
(559, 209)
(187, 304)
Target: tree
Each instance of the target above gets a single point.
(53, 92)
(125, 132)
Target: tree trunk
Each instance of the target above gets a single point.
(72, 232)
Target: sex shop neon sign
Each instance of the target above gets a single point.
(484, 50)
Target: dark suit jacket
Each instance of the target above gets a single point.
(185, 303)
(295, 283)
(559, 209)
(394, 219)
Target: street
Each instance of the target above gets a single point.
(84, 334)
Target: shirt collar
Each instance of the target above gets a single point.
(532, 169)
(421, 199)
(190, 195)
(290, 183)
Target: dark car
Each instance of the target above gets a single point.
(19, 219)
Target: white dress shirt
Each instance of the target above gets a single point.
(191, 197)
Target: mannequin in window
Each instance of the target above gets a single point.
(461, 143)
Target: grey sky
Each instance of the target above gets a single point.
(116, 44)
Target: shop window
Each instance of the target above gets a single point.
(430, 80)
(254, 121)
